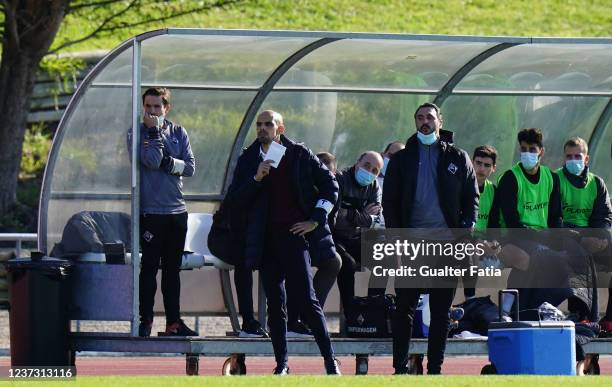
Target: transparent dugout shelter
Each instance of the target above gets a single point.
(339, 92)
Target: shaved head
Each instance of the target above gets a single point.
(370, 161)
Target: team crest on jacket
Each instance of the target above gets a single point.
(452, 168)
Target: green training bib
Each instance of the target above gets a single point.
(577, 203)
(484, 206)
(533, 199)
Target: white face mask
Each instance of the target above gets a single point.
(160, 120)
(529, 160)
(427, 139)
(575, 167)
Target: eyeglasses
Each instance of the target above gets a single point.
(267, 124)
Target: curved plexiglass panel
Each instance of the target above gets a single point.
(602, 154)
(345, 124)
(214, 60)
(395, 64)
(546, 68)
(119, 70)
(479, 120)
(92, 167)
(212, 119)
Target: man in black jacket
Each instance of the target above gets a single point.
(428, 185)
(283, 209)
(360, 203)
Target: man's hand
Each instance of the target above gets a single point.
(491, 248)
(167, 164)
(373, 209)
(303, 228)
(149, 120)
(263, 170)
(153, 133)
(593, 245)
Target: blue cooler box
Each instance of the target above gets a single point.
(533, 347)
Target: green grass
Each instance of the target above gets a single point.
(569, 18)
(344, 381)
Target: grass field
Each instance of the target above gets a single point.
(453, 17)
(344, 381)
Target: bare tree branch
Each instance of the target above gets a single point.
(97, 30)
(103, 28)
(77, 7)
(178, 14)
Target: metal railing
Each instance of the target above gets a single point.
(18, 238)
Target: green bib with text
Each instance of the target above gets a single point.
(533, 199)
(484, 206)
(577, 203)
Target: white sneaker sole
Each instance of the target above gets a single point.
(252, 335)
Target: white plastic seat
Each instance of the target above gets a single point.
(196, 241)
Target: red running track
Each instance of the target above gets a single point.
(105, 366)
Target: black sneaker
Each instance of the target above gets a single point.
(281, 370)
(180, 329)
(332, 367)
(298, 329)
(144, 329)
(253, 328)
(401, 371)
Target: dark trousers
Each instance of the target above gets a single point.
(350, 252)
(286, 264)
(609, 307)
(323, 281)
(162, 238)
(243, 280)
(407, 299)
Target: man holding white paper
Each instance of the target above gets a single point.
(283, 194)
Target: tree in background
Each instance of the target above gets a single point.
(28, 29)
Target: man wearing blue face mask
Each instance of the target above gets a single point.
(359, 199)
(586, 207)
(429, 186)
(391, 149)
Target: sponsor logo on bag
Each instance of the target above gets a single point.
(360, 319)
(362, 330)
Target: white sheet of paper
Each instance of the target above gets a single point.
(275, 153)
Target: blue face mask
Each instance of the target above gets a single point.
(529, 160)
(427, 139)
(575, 167)
(363, 177)
(384, 168)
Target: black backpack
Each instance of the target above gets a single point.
(224, 242)
(370, 317)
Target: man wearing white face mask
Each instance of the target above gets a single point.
(529, 198)
(165, 158)
(359, 197)
(530, 182)
(429, 186)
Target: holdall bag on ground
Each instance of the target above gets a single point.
(370, 317)
(222, 242)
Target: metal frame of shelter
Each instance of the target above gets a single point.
(319, 39)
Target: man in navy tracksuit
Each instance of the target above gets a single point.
(165, 157)
(282, 211)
